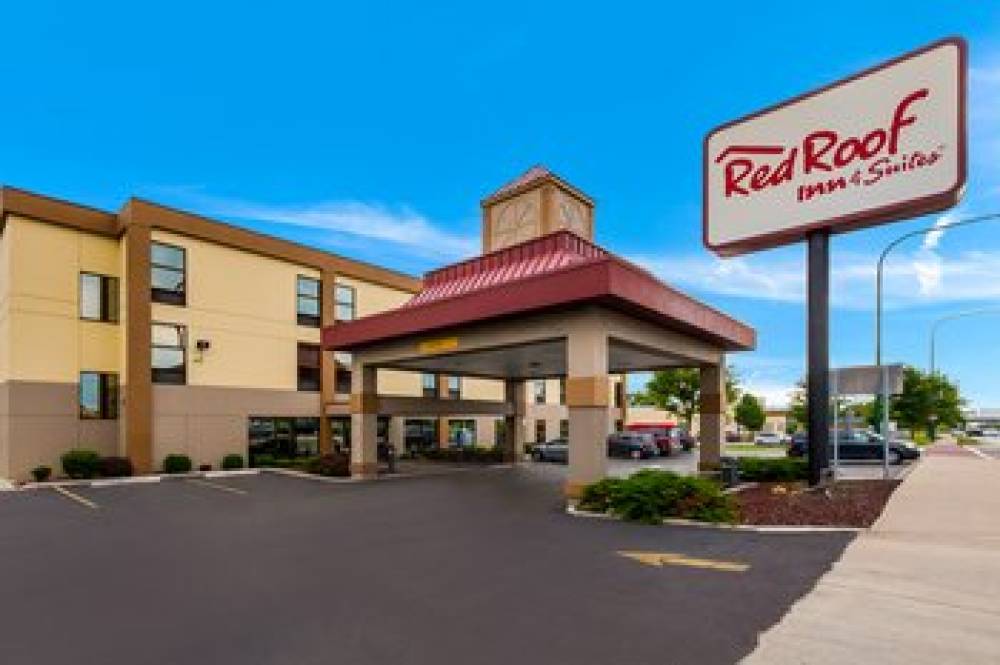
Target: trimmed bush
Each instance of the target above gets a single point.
(81, 463)
(176, 463)
(334, 464)
(651, 495)
(232, 461)
(773, 470)
(41, 473)
(116, 467)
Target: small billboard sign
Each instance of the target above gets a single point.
(867, 380)
(885, 144)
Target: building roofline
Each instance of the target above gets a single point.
(15, 201)
(507, 192)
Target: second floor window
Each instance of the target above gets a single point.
(98, 396)
(454, 387)
(168, 279)
(309, 372)
(169, 353)
(307, 305)
(346, 306)
(540, 392)
(98, 297)
(429, 384)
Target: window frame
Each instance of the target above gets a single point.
(432, 391)
(310, 320)
(455, 391)
(541, 428)
(109, 297)
(300, 385)
(564, 428)
(182, 328)
(338, 303)
(107, 396)
(342, 358)
(539, 391)
(163, 296)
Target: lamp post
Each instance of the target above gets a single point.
(951, 317)
(878, 314)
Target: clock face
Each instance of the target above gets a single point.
(516, 222)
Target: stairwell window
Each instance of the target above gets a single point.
(309, 372)
(428, 382)
(98, 297)
(346, 303)
(169, 345)
(169, 278)
(98, 396)
(307, 301)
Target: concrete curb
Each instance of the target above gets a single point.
(139, 480)
(753, 528)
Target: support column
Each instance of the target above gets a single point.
(327, 366)
(136, 431)
(712, 415)
(515, 396)
(442, 426)
(364, 421)
(587, 392)
(397, 434)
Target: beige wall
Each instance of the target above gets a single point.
(244, 305)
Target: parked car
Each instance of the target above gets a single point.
(768, 439)
(661, 433)
(636, 445)
(858, 445)
(556, 450)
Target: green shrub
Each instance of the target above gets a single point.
(333, 464)
(261, 461)
(81, 463)
(232, 461)
(41, 473)
(651, 495)
(773, 470)
(176, 463)
(116, 467)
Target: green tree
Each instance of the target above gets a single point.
(750, 413)
(679, 391)
(798, 414)
(927, 401)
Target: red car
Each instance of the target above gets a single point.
(667, 435)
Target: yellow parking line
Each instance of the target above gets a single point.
(75, 497)
(224, 488)
(660, 559)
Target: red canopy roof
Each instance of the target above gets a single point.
(559, 269)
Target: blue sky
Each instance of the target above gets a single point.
(373, 129)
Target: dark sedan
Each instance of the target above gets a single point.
(858, 445)
(556, 450)
(636, 445)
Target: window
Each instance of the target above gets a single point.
(539, 431)
(619, 394)
(462, 432)
(500, 432)
(168, 274)
(98, 297)
(564, 429)
(454, 387)
(429, 384)
(169, 353)
(540, 391)
(307, 305)
(345, 304)
(619, 426)
(341, 373)
(283, 437)
(340, 433)
(308, 362)
(98, 396)
(562, 391)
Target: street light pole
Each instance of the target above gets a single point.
(951, 317)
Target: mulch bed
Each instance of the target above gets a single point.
(851, 503)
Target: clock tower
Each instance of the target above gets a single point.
(535, 203)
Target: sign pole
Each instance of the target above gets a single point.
(818, 343)
(836, 424)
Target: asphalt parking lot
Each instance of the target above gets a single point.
(473, 567)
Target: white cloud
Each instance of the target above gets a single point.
(780, 277)
(346, 219)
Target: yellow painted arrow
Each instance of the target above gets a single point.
(660, 559)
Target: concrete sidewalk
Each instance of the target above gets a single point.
(923, 586)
